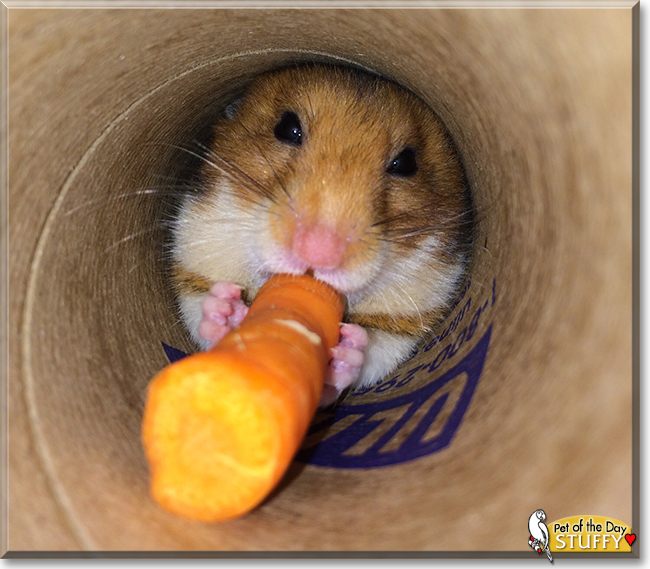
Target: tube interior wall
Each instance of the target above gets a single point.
(101, 103)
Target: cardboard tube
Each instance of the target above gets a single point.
(540, 108)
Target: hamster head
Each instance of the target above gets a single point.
(331, 170)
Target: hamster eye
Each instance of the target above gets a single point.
(288, 129)
(404, 164)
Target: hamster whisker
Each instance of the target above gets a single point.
(209, 240)
(211, 256)
(300, 70)
(400, 235)
(280, 181)
(371, 247)
(417, 309)
(133, 236)
(230, 171)
(132, 194)
(417, 225)
(466, 218)
(393, 241)
(488, 251)
(195, 154)
(311, 107)
(275, 173)
(236, 174)
(403, 216)
(388, 310)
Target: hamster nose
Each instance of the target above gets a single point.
(319, 245)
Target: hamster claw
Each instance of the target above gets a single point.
(345, 366)
(223, 309)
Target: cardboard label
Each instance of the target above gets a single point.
(420, 409)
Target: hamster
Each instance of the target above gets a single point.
(341, 173)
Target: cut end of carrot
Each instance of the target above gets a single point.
(213, 442)
(221, 427)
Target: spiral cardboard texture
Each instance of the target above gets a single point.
(539, 104)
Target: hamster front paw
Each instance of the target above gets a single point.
(345, 366)
(222, 310)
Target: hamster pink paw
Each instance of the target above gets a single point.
(347, 359)
(223, 309)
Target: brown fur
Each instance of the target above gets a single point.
(187, 282)
(413, 326)
(357, 199)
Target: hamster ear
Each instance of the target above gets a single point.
(231, 110)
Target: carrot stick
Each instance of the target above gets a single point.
(221, 427)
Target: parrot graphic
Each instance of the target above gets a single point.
(539, 537)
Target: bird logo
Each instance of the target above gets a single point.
(539, 536)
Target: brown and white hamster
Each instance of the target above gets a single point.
(343, 173)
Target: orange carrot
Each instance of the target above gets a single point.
(221, 427)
